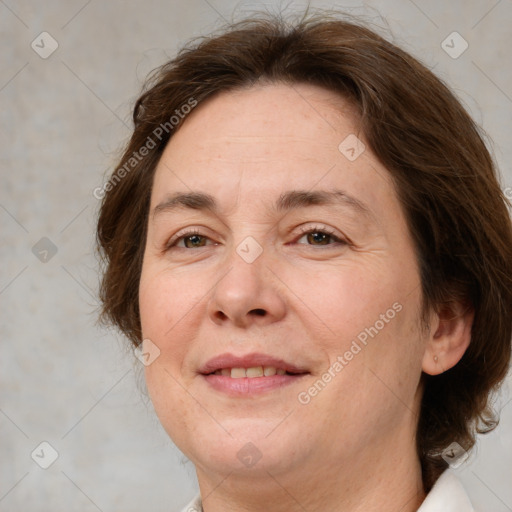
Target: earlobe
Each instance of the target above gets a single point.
(448, 339)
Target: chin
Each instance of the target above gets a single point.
(252, 447)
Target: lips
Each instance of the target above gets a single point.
(249, 375)
(252, 364)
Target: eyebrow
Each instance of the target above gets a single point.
(290, 200)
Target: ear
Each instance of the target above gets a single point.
(448, 338)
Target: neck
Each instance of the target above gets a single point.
(384, 477)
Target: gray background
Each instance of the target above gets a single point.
(63, 120)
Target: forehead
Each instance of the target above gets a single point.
(255, 142)
(251, 116)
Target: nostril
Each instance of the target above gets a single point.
(259, 312)
(221, 315)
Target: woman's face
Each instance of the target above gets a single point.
(295, 258)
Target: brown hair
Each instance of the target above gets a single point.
(443, 173)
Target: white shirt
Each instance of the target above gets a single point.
(447, 495)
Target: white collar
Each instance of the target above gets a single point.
(194, 505)
(447, 495)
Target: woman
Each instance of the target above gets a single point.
(307, 243)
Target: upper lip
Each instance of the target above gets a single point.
(247, 361)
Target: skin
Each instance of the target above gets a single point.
(352, 447)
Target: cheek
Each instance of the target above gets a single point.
(373, 370)
(165, 300)
(382, 359)
(369, 316)
(171, 305)
(348, 299)
(167, 304)
(174, 406)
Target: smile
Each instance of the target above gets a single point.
(251, 373)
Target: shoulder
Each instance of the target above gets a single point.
(447, 495)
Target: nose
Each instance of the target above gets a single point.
(247, 294)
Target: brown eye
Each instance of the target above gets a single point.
(192, 241)
(188, 240)
(319, 237)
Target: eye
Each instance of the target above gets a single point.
(191, 239)
(319, 236)
(315, 236)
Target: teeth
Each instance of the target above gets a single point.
(268, 371)
(238, 373)
(255, 371)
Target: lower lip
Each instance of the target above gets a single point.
(250, 385)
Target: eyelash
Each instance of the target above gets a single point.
(303, 232)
